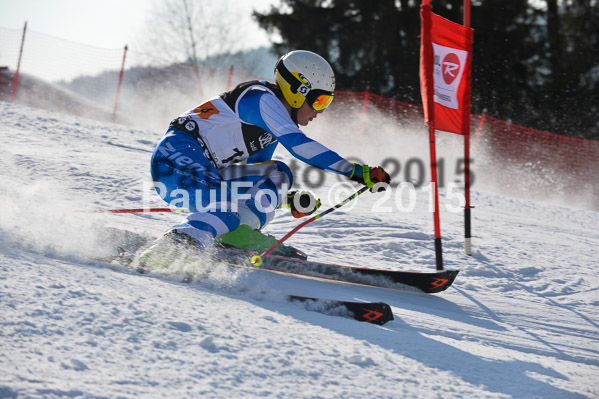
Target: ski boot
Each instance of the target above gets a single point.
(173, 249)
(247, 239)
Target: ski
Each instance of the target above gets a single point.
(296, 262)
(377, 313)
(371, 312)
(432, 282)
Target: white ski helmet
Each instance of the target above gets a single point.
(304, 75)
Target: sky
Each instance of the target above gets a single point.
(66, 38)
(106, 23)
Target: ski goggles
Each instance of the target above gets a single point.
(319, 100)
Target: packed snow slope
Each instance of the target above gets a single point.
(521, 320)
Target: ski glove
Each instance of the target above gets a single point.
(302, 203)
(368, 176)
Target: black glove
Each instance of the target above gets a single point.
(368, 176)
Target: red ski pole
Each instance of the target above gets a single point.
(257, 259)
(138, 210)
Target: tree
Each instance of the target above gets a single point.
(533, 65)
(367, 42)
(192, 31)
(571, 89)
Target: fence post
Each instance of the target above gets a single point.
(366, 101)
(479, 128)
(230, 77)
(364, 111)
(15, 81)
(118, 89)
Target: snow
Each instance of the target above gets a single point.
(521, 319)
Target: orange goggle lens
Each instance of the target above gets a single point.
(322, 102)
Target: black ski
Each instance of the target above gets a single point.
(296, 262)
(432, 282)
(371, 312)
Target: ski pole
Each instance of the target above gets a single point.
(257, 259)
(138, 210)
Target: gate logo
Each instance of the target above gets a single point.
(451, 68)
(447, 74)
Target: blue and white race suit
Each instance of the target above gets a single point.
(195, 165)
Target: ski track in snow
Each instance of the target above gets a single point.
(520, 320)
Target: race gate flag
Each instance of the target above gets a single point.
(445, 72)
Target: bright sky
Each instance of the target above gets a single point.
(104, 23)
(66, 38)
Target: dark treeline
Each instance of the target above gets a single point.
(534, 64)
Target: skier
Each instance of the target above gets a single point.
(197, 161)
